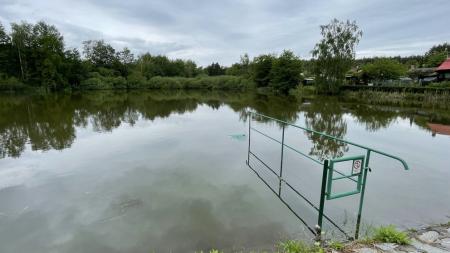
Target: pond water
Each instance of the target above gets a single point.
(165, 171)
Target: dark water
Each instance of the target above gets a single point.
(165, 171)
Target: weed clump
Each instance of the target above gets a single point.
(293, 246)
(391, 235)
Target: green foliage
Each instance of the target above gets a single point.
(10, 83)
(443, 85)
(435, 59)
(215, 69)
(336, 245)
(293, 246)
(99, 53)
(334, 54)
(285, 72)
(430, 99)
(437, 54)
(96, 81)
(40, 50)
(241, 68)
(150, 66)
(261, 68)
(384, 69)
(445, 47)
(34, 54)
(213, 82)
(391, 235)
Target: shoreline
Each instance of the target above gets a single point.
(430, 239)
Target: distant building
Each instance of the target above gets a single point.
(443, 71)
(423, 75)
(308, 81)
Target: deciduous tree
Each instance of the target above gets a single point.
(334, 54)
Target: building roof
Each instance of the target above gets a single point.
(444, 66)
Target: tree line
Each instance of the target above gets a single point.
(35, 55)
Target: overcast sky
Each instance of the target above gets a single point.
(209, 30)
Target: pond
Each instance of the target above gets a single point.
(165, 171)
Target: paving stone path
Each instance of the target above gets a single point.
(435, 239)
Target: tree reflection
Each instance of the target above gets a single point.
(374, 118)
(50, 121)
(326, 116)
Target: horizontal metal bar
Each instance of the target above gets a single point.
(293, 149)
(345, 176)
(345, 194)
(348, 158)
(405, 165)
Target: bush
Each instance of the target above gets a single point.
(206, 82)
(10, 83)
(94, 83)
(136, 80)
(391, 235)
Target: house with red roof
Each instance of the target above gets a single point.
(443, 71)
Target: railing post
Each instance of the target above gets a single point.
(249, 130)
(281, 162)
(322, 200)
(361, 198)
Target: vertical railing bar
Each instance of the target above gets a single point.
(281, 160)
(363, 190)
(249, 130)
(322, 199)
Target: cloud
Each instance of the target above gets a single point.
(208, 31)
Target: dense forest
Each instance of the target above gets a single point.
(35, 55)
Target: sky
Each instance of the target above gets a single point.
(220, 31)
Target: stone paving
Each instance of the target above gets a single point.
(435, 239)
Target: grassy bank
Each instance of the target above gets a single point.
(384, 234)
(406, 99)
(429, 98)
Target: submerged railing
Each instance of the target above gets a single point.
(359, 169)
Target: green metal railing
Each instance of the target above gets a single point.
(360, 168)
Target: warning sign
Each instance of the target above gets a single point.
(357, 166)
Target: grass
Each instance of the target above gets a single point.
(390, 234)
(294, 246)
(336, 245)
(384, 234)
(426, 99)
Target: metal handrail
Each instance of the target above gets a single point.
(405, 165)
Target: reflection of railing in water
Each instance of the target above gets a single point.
(359, 171)
(279, 195)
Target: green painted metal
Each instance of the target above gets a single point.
(405, 165)
(359, 171)
(361, 197)
(329, 194)
(322, 200)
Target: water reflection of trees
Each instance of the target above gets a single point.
(326, 116)
(49, 121)
(374, 118)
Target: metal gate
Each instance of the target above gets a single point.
(330, 173)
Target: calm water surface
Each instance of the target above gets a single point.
(165, 171)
